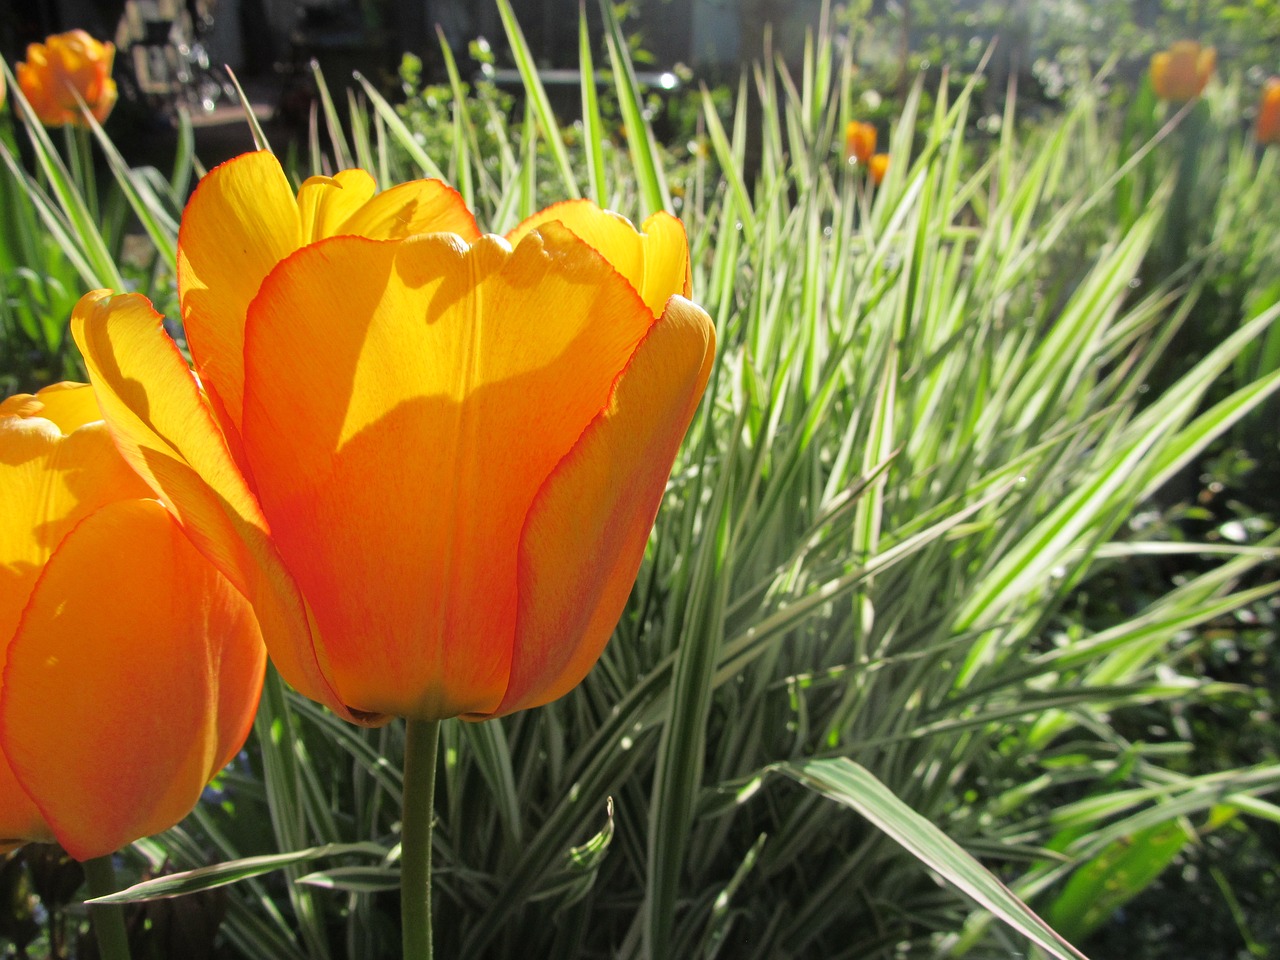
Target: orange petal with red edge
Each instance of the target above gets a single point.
(241, 221)
(442, 385)
(655, 263)
(20, 819)
(586, 534)
(154, 663)
(167, 433)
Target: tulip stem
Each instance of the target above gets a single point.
(421, 740)
(107, 918)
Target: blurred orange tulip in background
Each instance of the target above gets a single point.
(1181, 73)
(1269, 112)
(132, 667)
(878, 166)
(64, 67)
(859, 141)
(431, 459)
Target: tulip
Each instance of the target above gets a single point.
(132, 667)
(859, 141)
(64, 70)
(430, 458)
(1268, 130)
(878, 166)
(1180, 73)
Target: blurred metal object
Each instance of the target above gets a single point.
(168, 63)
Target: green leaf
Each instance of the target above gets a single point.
(1115, 876)
(222, 874)
(855, 787)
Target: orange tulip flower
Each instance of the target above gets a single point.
(132, 667)
(1181, 73)
(431, 459)
(64, 67)
(859, 141)
(878, 166)
(1269, 112)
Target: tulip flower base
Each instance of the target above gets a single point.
(421, 740)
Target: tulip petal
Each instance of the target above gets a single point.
(421, 206)
(20, 819)
(68, 405)
(585, 536)
(52, 475)
(325, 202)
(655, 263)
(396, 467)
(133, 678)
(164, 429)
(48, 483)
(241, 221)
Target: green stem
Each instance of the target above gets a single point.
(421, 739)
(107, 919)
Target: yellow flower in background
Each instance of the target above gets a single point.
(859, 141)
(3, 89)
(878, 166)
(1268, 130)
(64, 67)
(431, 459)
(1181, 72)
(132, 667)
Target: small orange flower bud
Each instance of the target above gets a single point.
(1269, 112)
(878, 166)
(64, 67)
(859, 141)
(1181, 73)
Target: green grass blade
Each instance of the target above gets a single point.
(403, 135)
(537, 96)
(593, 134)
(646, 164)
(853, 786)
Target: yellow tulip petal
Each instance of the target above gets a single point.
(421, 206)
(655, 263)
(586, 534)
(666, 255)
(69, 405)
(48, 483)
(325, 202)
(133, 678)
(441, 385)
(240, 222)
(167, 433)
